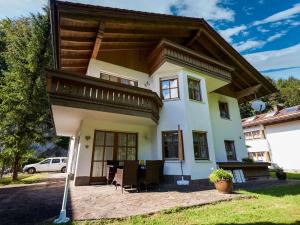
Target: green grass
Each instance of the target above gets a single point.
(293, 176)
(23, 179)
(272, 206)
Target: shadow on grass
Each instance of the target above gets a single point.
(261, 223)
(279, 191)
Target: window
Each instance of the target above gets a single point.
(256, 134)
(170, 144)
(55, 160)
(248, 135)
(113, 78)
(200, 146)
(224, 111)
(230, 150)
(194, 89)
(169, 89)
(46, 161)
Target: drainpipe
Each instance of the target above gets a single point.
(62, 218)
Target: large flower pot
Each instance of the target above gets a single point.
(224, 186)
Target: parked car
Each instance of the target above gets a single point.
(48, 165)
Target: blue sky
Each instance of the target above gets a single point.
(265, 32)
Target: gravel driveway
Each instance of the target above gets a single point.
(32, 204)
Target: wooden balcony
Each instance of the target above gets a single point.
(95, 94)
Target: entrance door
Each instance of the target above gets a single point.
(111, 146)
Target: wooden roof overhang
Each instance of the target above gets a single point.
(167, 51)
(127, 38)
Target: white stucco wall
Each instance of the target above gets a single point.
(257, 145)
(146, 141)
(284, 140)
(190, 115)
(95, 66)
(226, 129)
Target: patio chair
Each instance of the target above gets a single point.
(111, 170)
(154, 173)
(128, 175)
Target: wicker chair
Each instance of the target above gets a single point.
(154, 173)
(128, 175)
(111, 170)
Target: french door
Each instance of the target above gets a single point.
(111, 146)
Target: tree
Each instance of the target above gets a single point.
(24, 108)
(288, 95)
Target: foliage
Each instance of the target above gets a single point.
(247, 160)
(31, 160)
(63, 142)
(24, 110)
(23, 179)
(288, 95)
(220, 174)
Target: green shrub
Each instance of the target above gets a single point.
(247, 160)
(220, 174)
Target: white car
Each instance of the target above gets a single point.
(48, 165)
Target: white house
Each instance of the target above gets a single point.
(275, 137)
(124, 81)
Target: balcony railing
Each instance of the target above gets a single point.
(95, 94)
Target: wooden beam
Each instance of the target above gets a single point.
(220, 56)
(194, 38)
(248, 91)
(98, 40)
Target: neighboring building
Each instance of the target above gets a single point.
(275, 137)
(124, 81)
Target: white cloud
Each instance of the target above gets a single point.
(276, 59)
(276, 36)
(230, 32)
(248, 44)
(295, 23)
(283, 15)
(210, 10)
(254, 44)
(263, 30)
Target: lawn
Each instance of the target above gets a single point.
(272, 206)
(23, 179)
(293, 176)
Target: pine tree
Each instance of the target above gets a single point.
(24, 108)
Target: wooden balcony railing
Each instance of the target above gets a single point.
(95, 94)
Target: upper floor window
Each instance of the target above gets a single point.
(169, 88)
(194, 89)
(257, 134)
(170, 144)
(224, 111)
(200, 146)
(230, 150)
(117, 79)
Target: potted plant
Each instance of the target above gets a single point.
(222, 180)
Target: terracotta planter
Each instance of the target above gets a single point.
(224, 186)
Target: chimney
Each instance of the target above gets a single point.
(278, 107)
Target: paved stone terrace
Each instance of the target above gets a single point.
(94, 202)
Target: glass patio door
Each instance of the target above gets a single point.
(111, 146)
(103, 151)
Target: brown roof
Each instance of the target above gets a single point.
(127, 38)
(273, 117)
